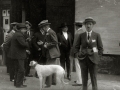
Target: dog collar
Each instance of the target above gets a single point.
(35, 65)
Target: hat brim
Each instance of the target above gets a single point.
(40, 25)
(94, 22)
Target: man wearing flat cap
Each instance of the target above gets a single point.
(91, 48)
(17, 52)
(29, 51)
(52, 50)
(65, 40)
(79, 30)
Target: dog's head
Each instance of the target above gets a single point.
(33, 63)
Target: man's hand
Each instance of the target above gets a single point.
(40, 42)
(28, 52)
(39, 49)
(28, 39)
(45, 45)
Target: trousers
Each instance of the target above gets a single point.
(78, 71)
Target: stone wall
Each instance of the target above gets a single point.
(109, 64)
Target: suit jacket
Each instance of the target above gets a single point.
(38, 36)
(7, 41)
(86, 48)
(52, 44)
(31, 37)
(18, 46)
(63, 41)
(77, 33)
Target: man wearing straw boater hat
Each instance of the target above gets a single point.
(90, 45)
(78, 31)
(52, 50)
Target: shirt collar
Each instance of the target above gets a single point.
(89, 32)
(48, 29)
(79, 29)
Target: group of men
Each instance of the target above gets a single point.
(47, 47)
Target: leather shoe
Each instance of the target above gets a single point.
(53, 83)
(29, 75)
(12, 80)
(77, 85)
(47, 86)
(22, 86)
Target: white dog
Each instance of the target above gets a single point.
(46, 70)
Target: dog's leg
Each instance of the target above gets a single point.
(40, 79)
(43, 84)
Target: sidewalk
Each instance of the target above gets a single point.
(105, 82)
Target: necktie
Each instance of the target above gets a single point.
(88, 36)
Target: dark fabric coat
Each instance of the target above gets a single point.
(18, 46)
(63, 41)
(87, 47)
(52, 44)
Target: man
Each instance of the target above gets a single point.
(18, 53)
(38, 40)
(6, 46)
(52, 52)
(90, 45)
(79, 30)
(65, 43)
(29, 36)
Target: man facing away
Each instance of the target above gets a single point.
(18, 53)
(79, 30)
(90, 45)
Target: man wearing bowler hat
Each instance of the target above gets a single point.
(91, 48)
(65, 40)
(52, 50)
(17, 52)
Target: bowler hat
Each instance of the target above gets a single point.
(14, 23)
(79, 23)
(89, 19)
(27, 22)
(63, 25)
(21, 25)
(44, 22)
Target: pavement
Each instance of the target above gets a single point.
(105, 82)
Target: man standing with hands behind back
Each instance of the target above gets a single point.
(91, 48)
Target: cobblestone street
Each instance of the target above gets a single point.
(105, 82)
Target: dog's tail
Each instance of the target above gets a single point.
(62, 79)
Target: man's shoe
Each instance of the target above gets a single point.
(47, 86)
(77, 85)
(69, 77)
(22, 86)
(53, 83)
(12, 80)
(29, 75)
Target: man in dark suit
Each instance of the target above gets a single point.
(29, 36)
(52, 49)
(65, 43)
(90, 45)
(6, 46)
(38, 40)
(18, 53)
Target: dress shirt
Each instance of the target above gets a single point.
(89, 34)
(65, 35)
